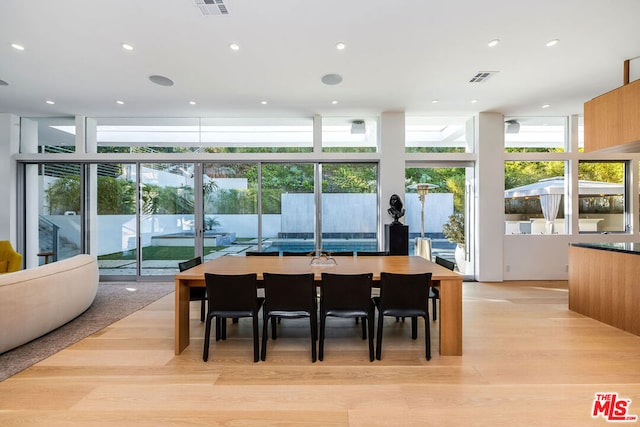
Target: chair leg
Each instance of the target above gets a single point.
(379, 337)
(371, 320)
(265, 328)
(434, 306)
(202, 310)
(218, 329)
(313, 323)
(323, 321)
(364, 328)
(256, 342)
(414, 328)
(207, 336)
(223, 328)
(427, 337)
(273, 328)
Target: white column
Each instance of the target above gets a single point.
(9, 145)
(88, 129)
(33, 199)
(489, 196)
(392, 163)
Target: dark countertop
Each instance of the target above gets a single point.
(625, 247)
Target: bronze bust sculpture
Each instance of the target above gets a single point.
(395, 210)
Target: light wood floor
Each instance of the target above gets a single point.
(527, 361)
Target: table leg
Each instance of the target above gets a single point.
(450, 317)
(181, 316)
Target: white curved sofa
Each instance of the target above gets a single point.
(38, 300)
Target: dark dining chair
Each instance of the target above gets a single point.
(340, 253)
(259, 253)
(347, 296)
(434, 293)
(404, 295)
(289, 296)
(235, 296)
(370, 253)
(266, 253)
(195, 294)
(446, 263)
(297, 253)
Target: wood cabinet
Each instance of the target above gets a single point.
(612, 120)
(603, 285)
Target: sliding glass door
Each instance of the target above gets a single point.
(230, 207)
(59, 218)
(349, 207)
(288, 207)
(142, 219)
(116, 239)
(447, 212)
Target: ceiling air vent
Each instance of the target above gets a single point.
(482, 76)
(212, 7)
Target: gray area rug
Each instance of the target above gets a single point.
(112, 303)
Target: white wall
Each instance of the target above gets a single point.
(528, 257)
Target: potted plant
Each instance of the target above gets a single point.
(454, 232)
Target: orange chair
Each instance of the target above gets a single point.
(10, 260)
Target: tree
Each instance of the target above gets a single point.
(454, 229)
(116, 196)
(523, 173)
(63, 195)
(448, 180)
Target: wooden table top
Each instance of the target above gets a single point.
(302, 264)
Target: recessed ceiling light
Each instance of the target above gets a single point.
(120, 102)
(552, 42)
(474, 101)
(234, 46)
(17, 46)
(493, 42)
(50, 102)
(192, 102)
(126, 46)
(331, 79)
(334, 102)
(435, 101)
(263, 102)
(341, 46)
(545, 106)
(161, 80)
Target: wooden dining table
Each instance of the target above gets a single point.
(449, 283)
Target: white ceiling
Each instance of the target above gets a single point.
(400, 55)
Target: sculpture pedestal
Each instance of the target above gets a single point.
(396, 238)
(423, 248)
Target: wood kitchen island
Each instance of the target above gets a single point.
(604, 283)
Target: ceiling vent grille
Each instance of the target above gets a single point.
(482, 76)
(212, 7)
